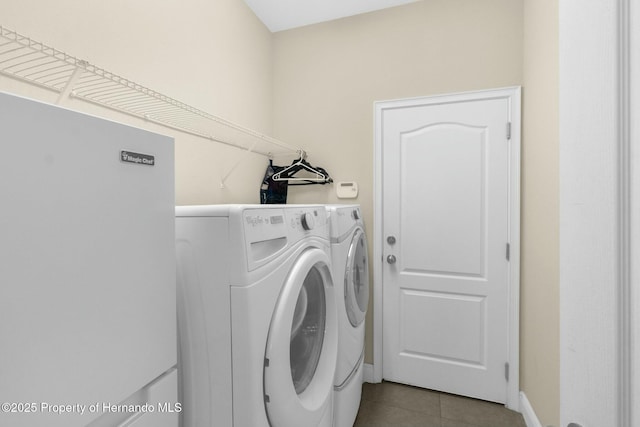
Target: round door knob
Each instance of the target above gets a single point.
(308, 222)
(391, 259)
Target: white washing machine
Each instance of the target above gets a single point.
(257, 320)
(351, 277)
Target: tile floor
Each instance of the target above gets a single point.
(396, 405)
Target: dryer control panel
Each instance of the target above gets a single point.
(343, 220)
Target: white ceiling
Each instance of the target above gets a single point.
(280, 15)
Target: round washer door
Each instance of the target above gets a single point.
(356, 279)
(302, 346)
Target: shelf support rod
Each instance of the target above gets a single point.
(240, 160)
(71, 83)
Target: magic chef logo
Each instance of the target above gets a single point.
(137, 158)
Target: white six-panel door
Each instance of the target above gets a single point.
(445, 242)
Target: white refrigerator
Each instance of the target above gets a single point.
(87, 271)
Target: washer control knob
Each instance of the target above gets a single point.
(307, 220)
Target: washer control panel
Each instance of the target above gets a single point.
(293, 223)
(268, 231)
(307, 221)
(264, 224)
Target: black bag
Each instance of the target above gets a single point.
(273, 192)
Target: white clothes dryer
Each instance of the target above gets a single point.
(257, 319)
(351, 277)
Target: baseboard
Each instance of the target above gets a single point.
(530, 417)
(368, 373)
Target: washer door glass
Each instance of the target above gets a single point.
(302, 345)
(307, 330)
(356, 289)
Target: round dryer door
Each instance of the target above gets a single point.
(356, 279)
(301, 353)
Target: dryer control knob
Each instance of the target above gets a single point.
(308, 222)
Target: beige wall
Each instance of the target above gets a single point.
(328, 76)
(214, 55)
(540, 351)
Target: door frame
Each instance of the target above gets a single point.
(598, 42)
(513, 94)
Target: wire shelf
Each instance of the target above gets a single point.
(31, 61)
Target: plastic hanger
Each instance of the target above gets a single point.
(321, 176)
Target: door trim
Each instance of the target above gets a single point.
(513, 95)
(609, 31)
